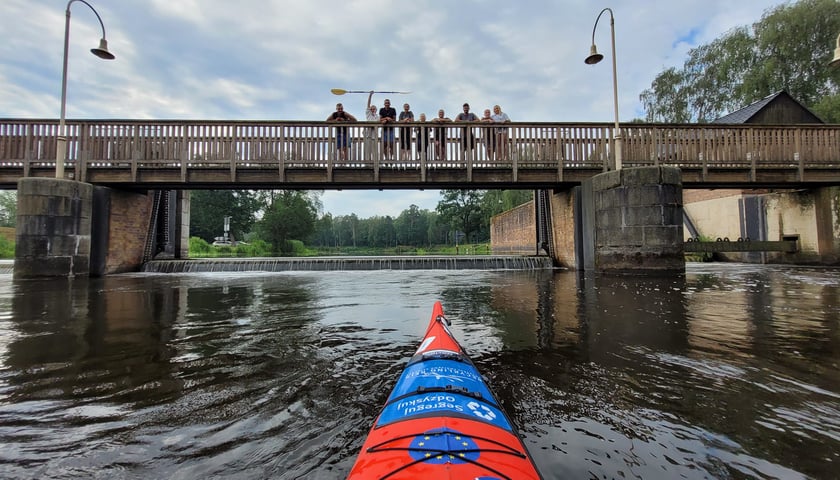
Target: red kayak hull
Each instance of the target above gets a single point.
(441, 421)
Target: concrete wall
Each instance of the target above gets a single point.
(638, 220)
(182, 228)
(53, 233)
(812, 215)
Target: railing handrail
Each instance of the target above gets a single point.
(628, 125)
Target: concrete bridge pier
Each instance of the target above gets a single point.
(622, 220)
(632, 220)
(67, 228)
(627, 220)
(53, 228)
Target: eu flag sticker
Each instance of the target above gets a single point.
(442, 445)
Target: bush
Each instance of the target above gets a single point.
(297, 248)
(7, 248)
(258, 248)
(199, 248)
(701, 256)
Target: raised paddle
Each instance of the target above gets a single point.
(341, 91)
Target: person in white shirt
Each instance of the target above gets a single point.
(371, 145)
(501, 133)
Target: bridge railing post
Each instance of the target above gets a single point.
(27, 153)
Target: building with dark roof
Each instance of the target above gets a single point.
(776, 109)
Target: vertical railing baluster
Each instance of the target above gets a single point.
(27, 154)
(281, 154)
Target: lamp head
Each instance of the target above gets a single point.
(836, 61)
(594, 57)
(102, 51)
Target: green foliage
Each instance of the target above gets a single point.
(412, 227)
(700, 256)
(788, 49)
(7, 248)
(463, 249)
(290, 216)
(8, 208)
(198, 247)
(209, 207)
(297, 248)
(461, 209)
(256, 248)
(201, 249)
(415, 228)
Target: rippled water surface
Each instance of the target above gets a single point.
(729, 372)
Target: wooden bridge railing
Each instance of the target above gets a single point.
(126, 151)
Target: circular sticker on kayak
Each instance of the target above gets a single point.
(482, 411)
(443, 446)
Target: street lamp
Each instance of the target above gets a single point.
(101, 52)
(836, 62)
(595, 57)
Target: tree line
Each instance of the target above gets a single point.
(280, 217)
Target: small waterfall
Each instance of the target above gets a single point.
(320, 264)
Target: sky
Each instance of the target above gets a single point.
(279, 59)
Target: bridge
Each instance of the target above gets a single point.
(210, 154)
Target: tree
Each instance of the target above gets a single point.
(8, 208)
(209, 207)
(291, 216)
(381, 232)
(411, 227)
(461, 209)
(789, 48)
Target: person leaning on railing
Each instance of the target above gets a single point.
(489, 136)
(422, 139)
(370, 132)
(467, 136)
(406, 116)
(440, 135)
(387, 115)
(342, 139)
(501, 133)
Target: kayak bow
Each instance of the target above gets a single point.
(441, 421)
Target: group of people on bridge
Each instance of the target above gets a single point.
(431, 133)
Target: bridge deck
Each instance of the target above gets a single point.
(265, 154)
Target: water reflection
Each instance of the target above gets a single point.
(730, 371)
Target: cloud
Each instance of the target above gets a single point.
(272, 59)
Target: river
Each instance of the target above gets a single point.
(728, 372)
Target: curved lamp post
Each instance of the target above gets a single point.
(595, 57)
(836, 62)
(102, 52)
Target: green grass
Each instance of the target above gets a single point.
(201, 249)
(700, 256)
(7, 242)
(469, 249)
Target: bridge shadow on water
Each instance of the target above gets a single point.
(282, 264)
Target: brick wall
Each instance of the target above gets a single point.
(563, 228)
(514, 232)
(129, 224)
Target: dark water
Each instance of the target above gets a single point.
(729, 372)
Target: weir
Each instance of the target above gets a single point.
(267, 264)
